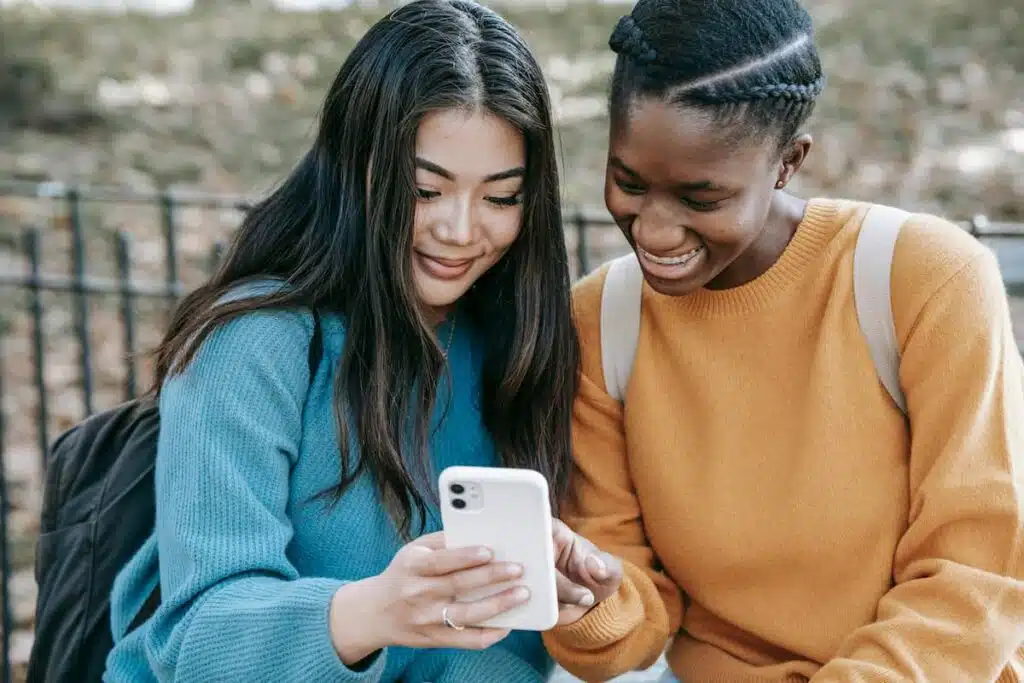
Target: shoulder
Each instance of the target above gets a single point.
(931, 250)
(931, 256)
(264, 342)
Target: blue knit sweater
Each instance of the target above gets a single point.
(248, 561)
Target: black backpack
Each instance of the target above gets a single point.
(98, 510)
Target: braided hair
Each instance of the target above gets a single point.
(749, 64)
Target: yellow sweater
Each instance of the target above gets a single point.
(761, 470)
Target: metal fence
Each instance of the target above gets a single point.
(25, 241)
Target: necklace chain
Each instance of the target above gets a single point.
(451, 336)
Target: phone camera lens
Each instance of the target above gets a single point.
(457, 489)
(458, 504)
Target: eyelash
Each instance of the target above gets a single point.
(514, 200)
(504, 202)
(701, 206)
(694, 204)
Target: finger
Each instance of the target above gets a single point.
(447, 560)
(563, 539)
(434, 541)
(561, 533)
(596, 567)
(479, 611)
(611, 569)
(571, 593)
(465, 581)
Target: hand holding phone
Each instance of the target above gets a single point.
(410, 603)
(508, 511)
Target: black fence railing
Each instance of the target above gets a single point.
(89, 295)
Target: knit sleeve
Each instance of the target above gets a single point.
(956, 610)
(234, 607)
(629, 630)
(519, 658)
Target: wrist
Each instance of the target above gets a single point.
(355, 621)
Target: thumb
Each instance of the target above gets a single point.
(606, 572)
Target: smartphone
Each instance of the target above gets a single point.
(507, 510)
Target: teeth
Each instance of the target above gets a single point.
(671, 260)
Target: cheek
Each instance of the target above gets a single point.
(749, 217)
(617, 202)
(501, 231)
(422, 217)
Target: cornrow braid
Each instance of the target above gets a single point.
(628, 39)
(750, 64)
(796, 92)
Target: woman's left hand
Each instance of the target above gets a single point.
(586, 575)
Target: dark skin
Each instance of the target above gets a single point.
(676, 181)
(680, 187)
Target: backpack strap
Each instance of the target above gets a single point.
(620, 322)
(872, 282)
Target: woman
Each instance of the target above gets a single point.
(761, 469)
(400, 304)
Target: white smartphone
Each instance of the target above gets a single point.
(509, 511)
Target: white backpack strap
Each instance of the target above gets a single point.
(872, 283)
(620, 322)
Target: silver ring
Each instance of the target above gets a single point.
(448, 621)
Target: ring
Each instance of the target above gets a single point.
(448, 621)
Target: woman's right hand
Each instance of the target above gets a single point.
(405, 605)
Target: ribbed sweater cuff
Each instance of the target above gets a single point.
(609, 622)
(326, 663)
(290, 620)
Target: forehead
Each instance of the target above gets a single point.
(469, 143)
(665, 141)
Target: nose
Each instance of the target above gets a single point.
(458, 225)
(657, 226)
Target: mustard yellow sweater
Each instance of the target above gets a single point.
(779, 520)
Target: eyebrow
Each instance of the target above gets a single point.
(694, 186)
(517, 172)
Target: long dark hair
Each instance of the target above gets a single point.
(344, 245)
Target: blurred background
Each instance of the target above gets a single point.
(132, 132)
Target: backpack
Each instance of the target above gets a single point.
(98, 510)
(872, 273)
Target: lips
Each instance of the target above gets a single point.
(443, 268)
(671, 260)
(678, 266)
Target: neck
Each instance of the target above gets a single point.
(436, 315)
(784, 215)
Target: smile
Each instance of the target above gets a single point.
(678, 260)
(442, 268)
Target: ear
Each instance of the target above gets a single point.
(792, 158)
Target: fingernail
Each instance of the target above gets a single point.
(513, 570)
(521, 594)
(587, 599)
(483, 553)
(597, 567)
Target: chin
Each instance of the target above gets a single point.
(440, 301)
(677, 287)
(672, 287)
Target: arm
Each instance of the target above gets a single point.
(956, 611)
(519, 658)
(630, 629)
(234, 606)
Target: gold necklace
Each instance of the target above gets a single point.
(451, 336)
